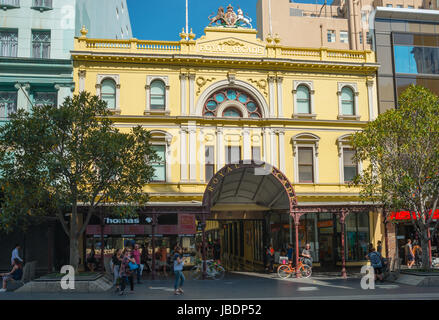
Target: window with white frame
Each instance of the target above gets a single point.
(8, 43)
(40, 44)
(44, 98)
(331, 35)
(256, 153)
(108, 89)
(209, 162)
(344, 38)
(306, 164)
(157, 95)
(349, 168)
(348, 101)
(108, 93)
(303, 98)
(159, 165)
(8, 103)
(161, 143)
(233, 154)
(305, 151)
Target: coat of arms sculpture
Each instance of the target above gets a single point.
(230, 19)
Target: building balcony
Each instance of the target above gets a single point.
(9, 4)
(42, 5)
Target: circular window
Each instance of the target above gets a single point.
(211, 105)
(240, 97)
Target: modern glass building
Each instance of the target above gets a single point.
(407, 47)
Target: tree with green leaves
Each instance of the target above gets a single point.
(401, 149)
(54, 160)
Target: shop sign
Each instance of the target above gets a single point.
(407, 215)
(143, 220)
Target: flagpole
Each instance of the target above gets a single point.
(269, 17)
(187, 20)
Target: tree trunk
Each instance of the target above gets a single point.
(74, 252)
(425, 251)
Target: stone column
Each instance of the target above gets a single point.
(273, 148)
(265, 133)
(23, 96)
(279, 97)
(183, 155)
(246, 144)
(271, 95)
(220, 147)
(192, 152)
(369, 85)
(191, 94)
(183, 78)
(281, 150)
(201, 154)
(82, 74)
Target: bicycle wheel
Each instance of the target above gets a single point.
(196, 273)
(284, 271)
(218, 272)
(305, 271)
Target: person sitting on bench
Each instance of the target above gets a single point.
(15, 274)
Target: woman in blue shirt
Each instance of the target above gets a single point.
(178, 270)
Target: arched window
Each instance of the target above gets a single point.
(108, 93)
(347, 101)
(303, 99)
(232, 112)
(157, 95)
(231, 102)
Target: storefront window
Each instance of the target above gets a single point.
(357, 236)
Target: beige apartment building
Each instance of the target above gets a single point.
(342, 25)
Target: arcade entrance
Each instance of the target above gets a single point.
(243, 197)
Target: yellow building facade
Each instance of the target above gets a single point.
(228, 97)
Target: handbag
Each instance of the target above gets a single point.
(133, 266)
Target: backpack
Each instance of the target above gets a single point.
(375, 260)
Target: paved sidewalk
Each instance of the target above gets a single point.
(251, 286)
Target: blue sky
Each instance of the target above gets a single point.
(164, 19)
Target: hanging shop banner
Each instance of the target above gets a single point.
(407, 215)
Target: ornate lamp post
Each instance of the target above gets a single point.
(154, 223)
(342, 216)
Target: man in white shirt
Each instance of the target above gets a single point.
(15, 254)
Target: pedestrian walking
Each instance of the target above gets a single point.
(117, 260)
(410, 254)
(136, 255)
(126, 273)
(380, 247)
(375, 260)
(91, 260)
(290, 252)
(178, 270)
(163, 259)
(15, 254)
